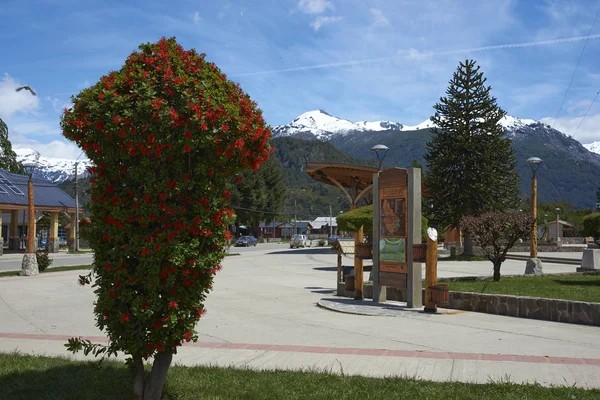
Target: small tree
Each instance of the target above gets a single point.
(168, 135)
(471, 166)
(591, 226)
(496, 233)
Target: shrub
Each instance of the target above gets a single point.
(168, 135)
(43, 259)
(591, 226)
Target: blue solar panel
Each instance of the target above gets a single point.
(3, 191)
(10, 185)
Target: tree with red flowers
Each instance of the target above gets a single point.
(167, 134)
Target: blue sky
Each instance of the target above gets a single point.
(359, 60)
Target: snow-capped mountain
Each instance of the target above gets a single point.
(323, 126)
(53, 169)
(593, 147)
(320, 125)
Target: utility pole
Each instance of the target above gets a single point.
(295, 227)
(75, 224)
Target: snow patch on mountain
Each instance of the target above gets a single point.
(323, 125)
(53, 169)
(594, 147)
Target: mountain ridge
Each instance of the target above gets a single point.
(569, 171)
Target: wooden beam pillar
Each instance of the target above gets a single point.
(14, 242)
(358, 268)
(53, 240)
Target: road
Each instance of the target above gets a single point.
(12, 262)
(262, 314)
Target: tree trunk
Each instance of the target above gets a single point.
(468, 243)
(138, 376)
(158, 375)
(497, 265)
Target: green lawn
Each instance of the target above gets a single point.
(27, 377)
(48, 270)
(568, 287)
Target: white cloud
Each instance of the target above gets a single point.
(12, 102)
(55, 148)
(378, 19)
(196, 17)
(314, 6)
(588, 132)
(320, 21)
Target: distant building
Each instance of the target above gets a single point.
(321, 225)
(14, 205)
(280, 229)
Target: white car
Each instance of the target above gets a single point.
(300, 241)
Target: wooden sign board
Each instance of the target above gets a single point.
(393, 211)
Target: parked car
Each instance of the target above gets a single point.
(332, 239)
(246, 241)
(300, 241)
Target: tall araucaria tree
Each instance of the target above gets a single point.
(471, 166)
(167, 134)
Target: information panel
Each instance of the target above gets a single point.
(393, 221)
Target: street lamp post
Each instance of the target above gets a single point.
(557, 224)
(380, 152)
(534, 164)
(29, 266)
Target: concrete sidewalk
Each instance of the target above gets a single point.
(263, 314)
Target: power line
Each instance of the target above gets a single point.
(576, 67)
(586, 113)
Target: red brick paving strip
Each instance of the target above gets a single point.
(342, 350)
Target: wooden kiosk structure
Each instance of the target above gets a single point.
(355, 181)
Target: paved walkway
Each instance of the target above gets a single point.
(263, 314)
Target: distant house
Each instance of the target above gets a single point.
(279, 229)
(14, 203)
(321, 225)
(563, 226)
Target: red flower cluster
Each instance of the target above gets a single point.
(165, 228)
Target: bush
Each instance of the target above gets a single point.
(351, 221)
(168, 135)
(591, 226)
(322, 242)
(43, 259)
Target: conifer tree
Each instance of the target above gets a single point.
(8, 158)
(471, 166)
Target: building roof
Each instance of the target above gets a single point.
(320, 221)
(13, 190)
(281, 224)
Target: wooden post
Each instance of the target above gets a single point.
(339, 266)
(52, 243)
(430, 269)
(358, 268)
(13, 235)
